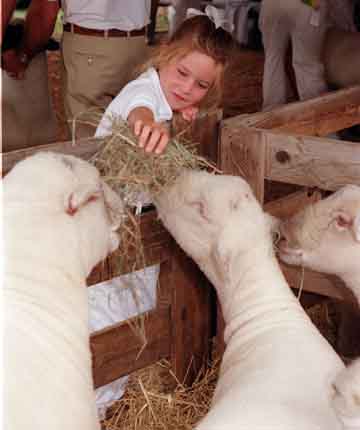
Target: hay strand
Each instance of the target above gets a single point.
(155, 400)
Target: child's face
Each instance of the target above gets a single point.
(186, 81)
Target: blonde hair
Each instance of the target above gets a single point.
(198, 34)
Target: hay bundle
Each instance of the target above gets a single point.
(131, 171)
(156, 400)
(138, 176)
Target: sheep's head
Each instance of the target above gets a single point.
(95, 206)
(213, 218)
(53, 184)
(325, 236)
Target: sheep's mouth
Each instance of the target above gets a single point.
(287, 252)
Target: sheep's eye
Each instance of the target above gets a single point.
(234, 205)
(200, 208)
(342, 222)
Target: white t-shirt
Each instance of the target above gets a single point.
(124, 15)
(145, 91)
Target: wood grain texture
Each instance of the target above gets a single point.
(287, 206)
(311, 161)
(191, 318)
(243, 153)
(118, 350)
(316, 117)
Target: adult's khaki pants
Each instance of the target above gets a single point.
(281, 22)
(94, 71)
(28, 117)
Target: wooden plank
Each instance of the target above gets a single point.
(315, 162)
(118, 351)
(111, 267)
(316, 117)
(204, 132)
(287, 206)
(157, 243)
(315, 282)
(84, 148)
(191, 318)
(243, 153)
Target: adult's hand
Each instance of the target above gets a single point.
(14, 64)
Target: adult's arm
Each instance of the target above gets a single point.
(39, 25)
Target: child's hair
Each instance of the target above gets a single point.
(198, 34)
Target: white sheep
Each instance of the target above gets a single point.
(325, 237)
(60, 220)
(277, 369)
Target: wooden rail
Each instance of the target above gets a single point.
(284, 145)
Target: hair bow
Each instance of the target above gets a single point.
(217, 16)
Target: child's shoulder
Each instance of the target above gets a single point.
(149, 74)
(144, 87)
(148, 81)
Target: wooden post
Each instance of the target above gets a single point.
(191, 318)
(243, 153)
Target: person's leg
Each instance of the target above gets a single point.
(180, 7)
(274, 27)
(307, 42)
(94, 71)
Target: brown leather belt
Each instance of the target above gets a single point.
(112, 32)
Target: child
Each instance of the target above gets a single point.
(186, 75)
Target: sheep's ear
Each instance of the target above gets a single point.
(81, 196)
(345, 221)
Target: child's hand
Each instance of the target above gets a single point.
(153, 136)
(189, 113)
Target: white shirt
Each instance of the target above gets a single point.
(145, 91)
(124, 15)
